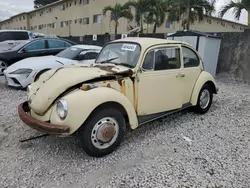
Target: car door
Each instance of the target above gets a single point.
(6, 40)
(192, 67)
(55, 46)
(158, 85)
(32, 49)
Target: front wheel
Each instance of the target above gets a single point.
(103, 132)
(3, 66)
(205, 99)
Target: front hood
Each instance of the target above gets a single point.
(53, 83)
(38, 63)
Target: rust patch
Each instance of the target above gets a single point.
(107, 68)
(134, 98)
(123, 87)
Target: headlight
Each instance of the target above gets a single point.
(22, 71)
(62, 109)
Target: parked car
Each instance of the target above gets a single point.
(32, 48)
(23, 73)
(144, 79)
(10, 38)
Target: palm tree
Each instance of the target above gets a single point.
(158, 12)
(142, 7)
(238, 6)
(189, 11)
(117, 12)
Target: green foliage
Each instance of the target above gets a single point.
(237, 7)
(118, 11)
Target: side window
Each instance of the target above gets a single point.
(148, 63)
(90, 55)
(6, 36)
(162, 59)
(21, 35)
(53, 44)
(190, 59)
(38, 45)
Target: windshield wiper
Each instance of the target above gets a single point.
(108, 61)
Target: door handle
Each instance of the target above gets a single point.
(180, 75)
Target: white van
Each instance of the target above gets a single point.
(9, 38)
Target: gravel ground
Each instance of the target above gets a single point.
(182, 150)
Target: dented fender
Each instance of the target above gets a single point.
(82, 103)
(202, 79)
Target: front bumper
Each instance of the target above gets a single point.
(45, 127)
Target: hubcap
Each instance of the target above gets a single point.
(105, 133)
(3, 66)
(204, 99)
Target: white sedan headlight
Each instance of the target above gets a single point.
(62, 109)
(22, 71)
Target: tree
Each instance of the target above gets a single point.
(41, 3)
(237, 8)
(189, 11)
(142, 7)
(117, 12)
(157, 12)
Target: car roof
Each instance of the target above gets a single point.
(147, 42)
(85, 46)
(13, 30)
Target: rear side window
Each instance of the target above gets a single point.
(19, 35)
(190, 58)
(53, 44)
(90, 55)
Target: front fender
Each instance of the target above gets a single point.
(82, 103)
(204, 77)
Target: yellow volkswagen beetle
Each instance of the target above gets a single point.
(132, 82)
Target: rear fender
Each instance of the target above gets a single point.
(204, 78)
(82, 103)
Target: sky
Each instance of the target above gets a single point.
(12, 7)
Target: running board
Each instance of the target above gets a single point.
(148, 118)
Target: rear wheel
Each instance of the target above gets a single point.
(103, 132)
(205, 99)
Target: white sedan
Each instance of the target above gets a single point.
(23, 73)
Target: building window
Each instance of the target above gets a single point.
(97, 18)
(167, 24)
(53, 25)
(63, 7)
(24, 17)
(85, 21)
(80, 20)
(80, 1)
(63, 24)
(70, 4)
(75, 21)
(75, 2)
(85, 2)
(24, 28)
(223, 24)
(209, 21)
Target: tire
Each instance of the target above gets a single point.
(3, 65)
(92, 137)
(203, 108)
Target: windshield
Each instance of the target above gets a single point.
(126, 54)
(18, 45)
(70, 53)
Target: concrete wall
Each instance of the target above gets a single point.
(235, 54)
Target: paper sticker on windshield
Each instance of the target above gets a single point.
(129, 47)
(73, 49)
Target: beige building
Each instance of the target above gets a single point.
(84, 17)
